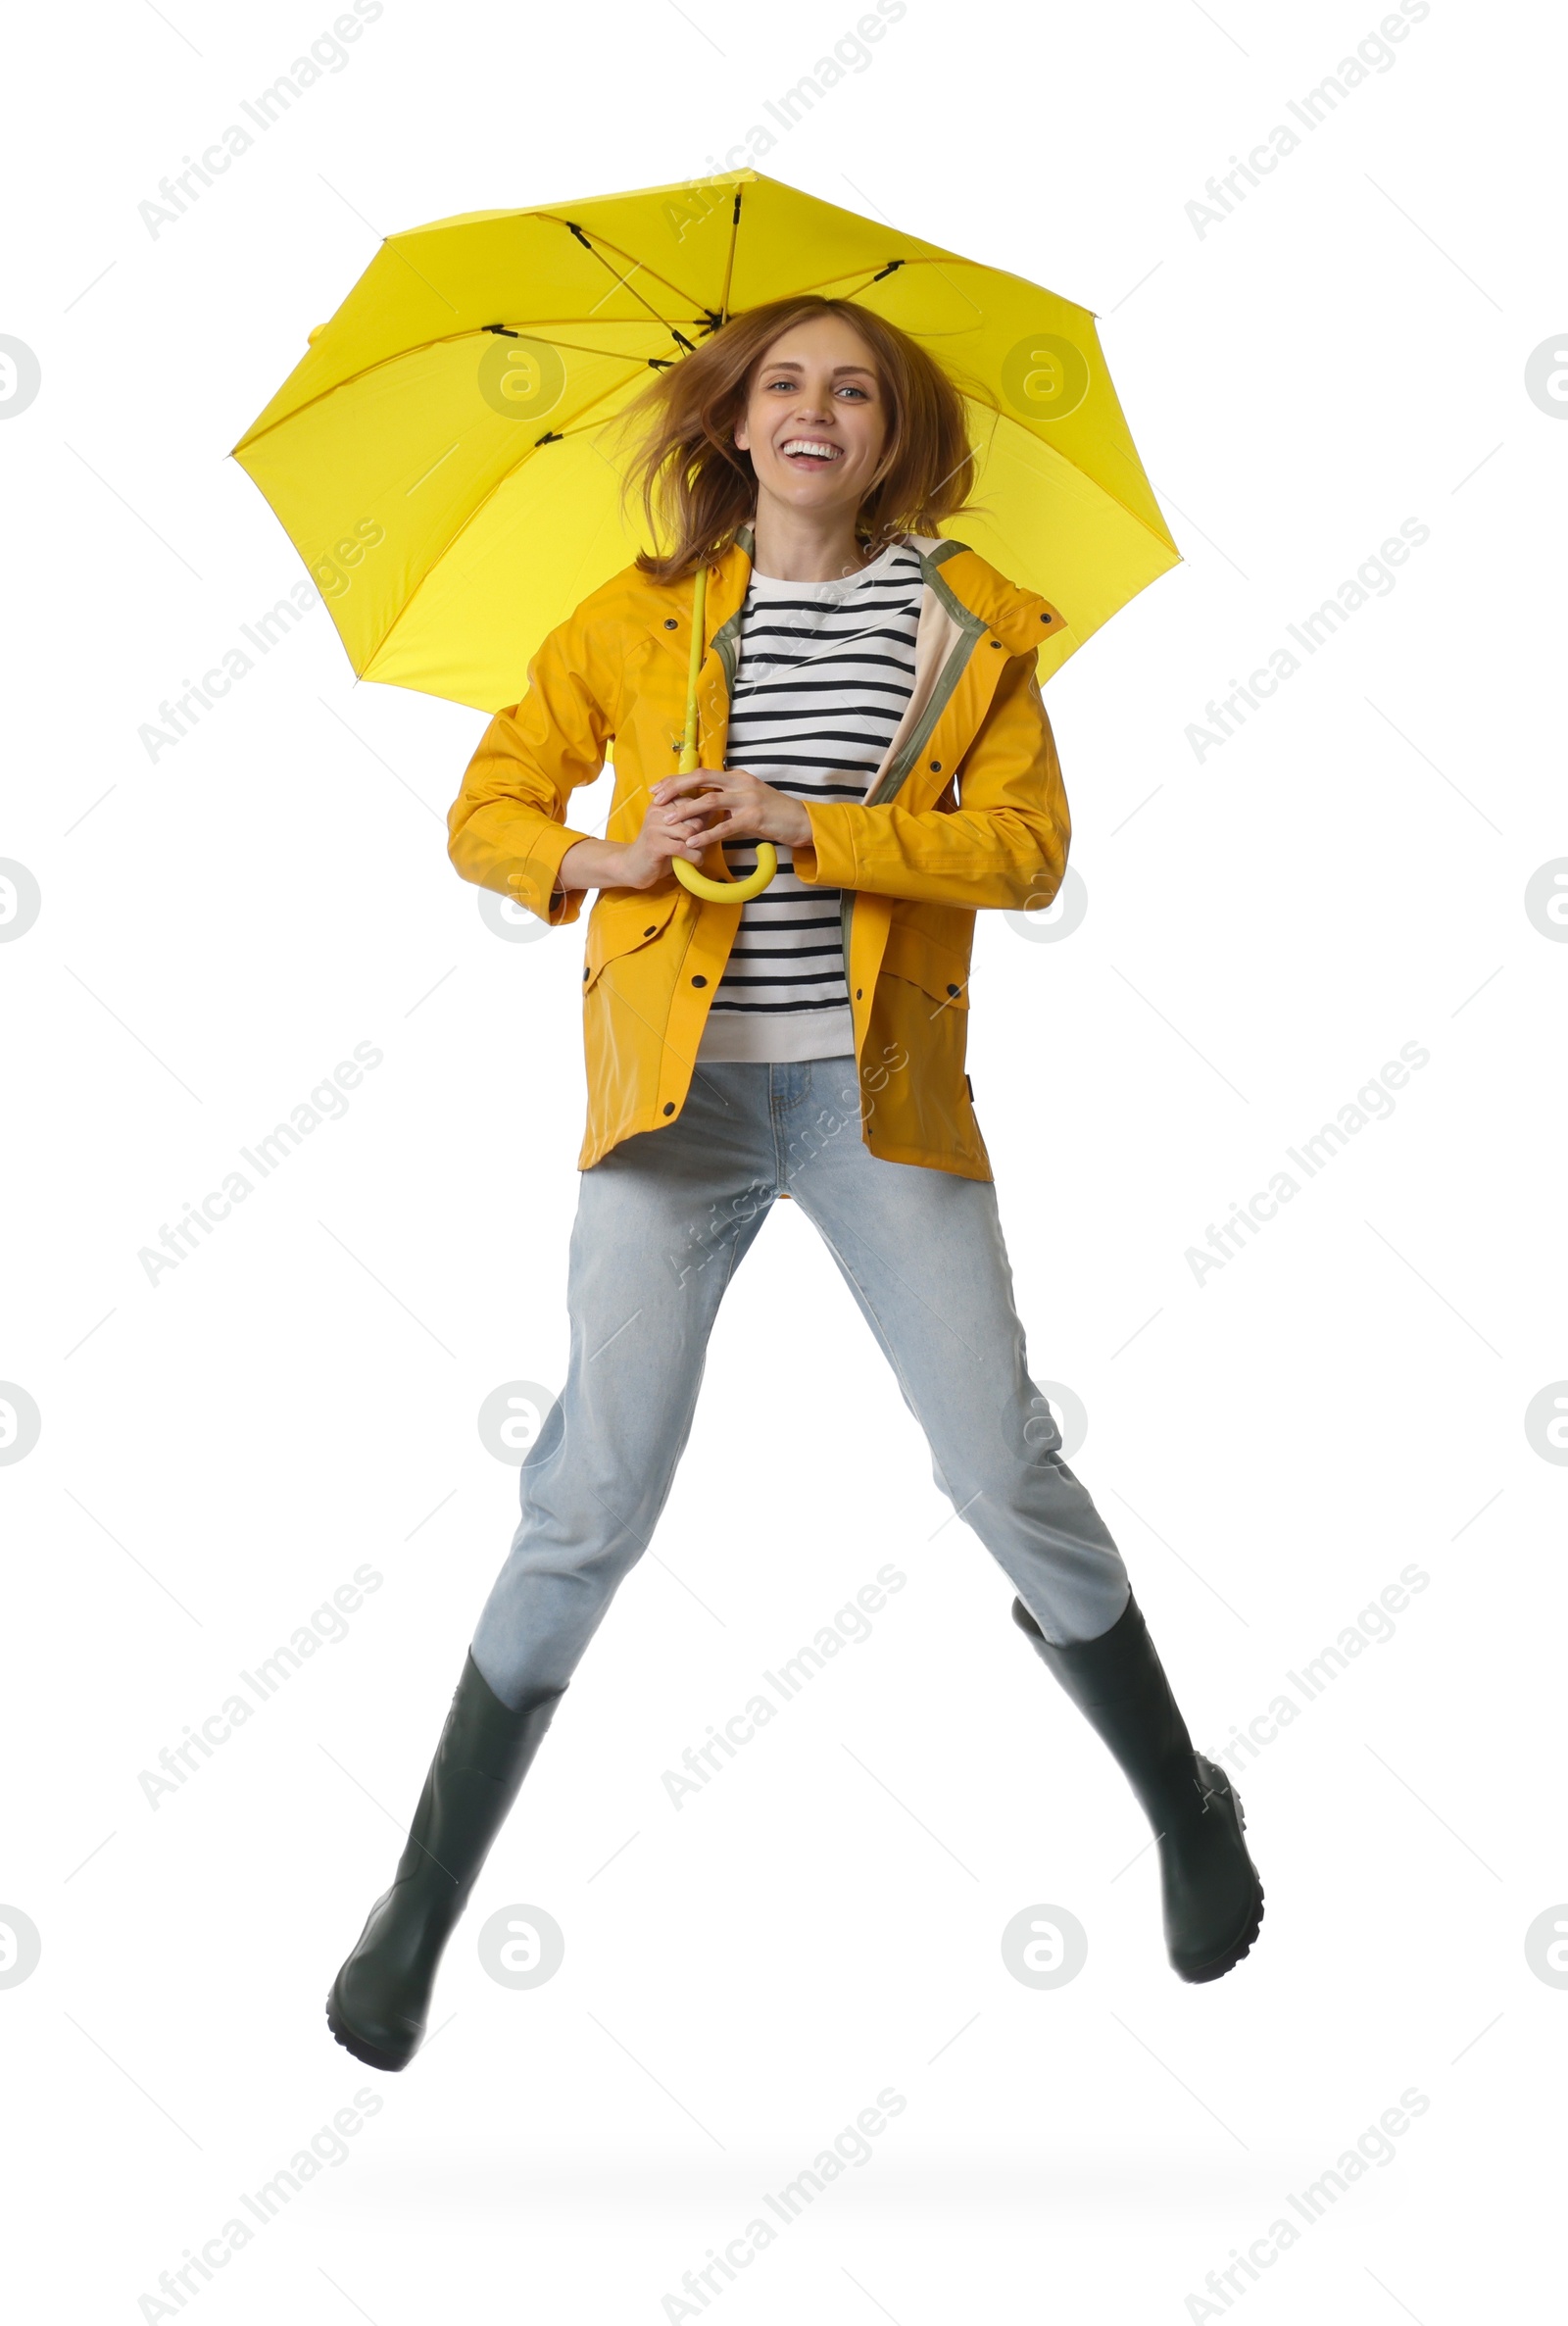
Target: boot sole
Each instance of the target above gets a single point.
(354, 2043)
(1228, 1960)
(1243, 1944)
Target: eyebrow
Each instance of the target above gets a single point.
(793, 364)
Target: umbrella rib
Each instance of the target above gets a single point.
(898, 264)
(729, 259)
(637, 266)
(941, 260)
(877, 276)
(610, 355)
(398, 354)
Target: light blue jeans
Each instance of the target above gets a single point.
(663, 1222)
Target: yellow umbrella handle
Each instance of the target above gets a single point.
(718, 892)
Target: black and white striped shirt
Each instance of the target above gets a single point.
(824, 673)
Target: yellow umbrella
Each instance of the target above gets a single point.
(445, 456)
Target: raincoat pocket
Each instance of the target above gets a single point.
(622, 921)
(940, 970)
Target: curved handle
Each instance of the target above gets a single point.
(717, 892)
(729, 892)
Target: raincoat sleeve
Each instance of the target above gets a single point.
(507, 827)
(1004, 842)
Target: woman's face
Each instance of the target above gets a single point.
(817, 387)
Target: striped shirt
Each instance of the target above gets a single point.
(824, 673)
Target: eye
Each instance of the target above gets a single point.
(849, 388)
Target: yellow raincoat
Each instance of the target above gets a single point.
(967, 808)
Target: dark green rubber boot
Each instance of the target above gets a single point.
(380, 1998)
(1213, 1899)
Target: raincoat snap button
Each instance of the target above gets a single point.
(670, 1106)
(698, 981)
(997, 643)
(647, 932)
(953, 989)
(585, 976)
(860, 989)
(1044, 618)
(672, 624)
(936, 766)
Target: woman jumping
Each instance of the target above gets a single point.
(874, 687)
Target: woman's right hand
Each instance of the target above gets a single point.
(673, 830)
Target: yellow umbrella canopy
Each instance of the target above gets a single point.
(446, 459)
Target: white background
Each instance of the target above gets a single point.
(1346, 1397)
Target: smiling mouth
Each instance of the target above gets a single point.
(804, 452)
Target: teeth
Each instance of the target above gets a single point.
(819, 452)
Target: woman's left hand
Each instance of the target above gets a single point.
(747, 807)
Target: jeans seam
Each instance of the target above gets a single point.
(776, 1108)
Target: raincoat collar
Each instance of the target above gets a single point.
(968, 589)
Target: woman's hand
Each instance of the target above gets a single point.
(668, 828)
(747, 807)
